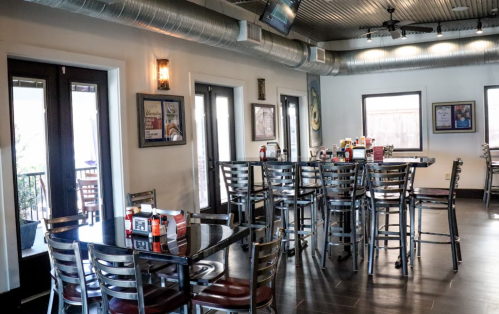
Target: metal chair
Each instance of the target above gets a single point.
(74, 285)
(285, 194)
(344, 196)
(237, 178)
(492, 169)
(121, 284)
(310, 179)
(146, 197)
(439, 199)
(205, 272)
(388, 189)
(239, 295)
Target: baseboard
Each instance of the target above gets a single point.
(469, 193)
(11, 300)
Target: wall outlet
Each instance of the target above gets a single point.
(447, 176)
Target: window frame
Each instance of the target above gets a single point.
(420, 94)
(486, 112)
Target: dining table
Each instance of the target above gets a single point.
(200, 241)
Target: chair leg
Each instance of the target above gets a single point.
(387, 222)
(403, 238)
(412, 213)
(456, 233)
(51, 298)
(489, 190)
(326, 238)
(452, 239)
(353, 238)
(420, 218)
(199, 310)
(485, 186)
(362, 228)
(374, 223)
(313, 225)
(297, 227)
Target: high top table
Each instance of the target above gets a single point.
(201, 241)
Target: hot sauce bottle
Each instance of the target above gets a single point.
(262, 153)
(155, 223)
(348, 153)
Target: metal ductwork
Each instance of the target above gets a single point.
(186, 20)
(189, 21)
(419, 56)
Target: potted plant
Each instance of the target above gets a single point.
(27, 200)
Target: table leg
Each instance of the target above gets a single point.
(184, 286)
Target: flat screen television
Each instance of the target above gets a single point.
(280, 14)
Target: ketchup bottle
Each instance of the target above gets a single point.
(262, 153)
(348, 153)
(128, 221)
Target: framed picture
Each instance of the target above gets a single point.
(314, 110)
(161, 120)
(263, 122)
(454, 117)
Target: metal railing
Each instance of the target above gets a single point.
(32, 192)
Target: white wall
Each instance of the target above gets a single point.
(342, 109)
(168, 169)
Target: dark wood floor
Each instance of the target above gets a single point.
(432, 285)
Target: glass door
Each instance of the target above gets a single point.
(60, 138)
(290, 126)
(215, 142)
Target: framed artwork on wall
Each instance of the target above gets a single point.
(454, 117)
(314, 110)
(263, 122)
(161, 120)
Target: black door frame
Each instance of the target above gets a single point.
(286, 128)
(210, 93)
(54, 104)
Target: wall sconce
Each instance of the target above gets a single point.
(163, 74)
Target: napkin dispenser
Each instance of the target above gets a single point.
(272, 151)
(140, 223)
(359, 153)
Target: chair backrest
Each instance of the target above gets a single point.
(339, 179)
(264, 263)
(67, 265)
(486, 154)
(455, 176)
(282, 178)
(91, 175)
(309, 174)
(146, 197)
(89, 190)
(213, 218)
(118, 272)
(67, 223)
(236, 176)
(388, 179)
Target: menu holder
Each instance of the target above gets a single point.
(378, 153)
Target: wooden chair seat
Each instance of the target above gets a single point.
(430, 192)
(156, 300)
(72, 292)
(232, 294)
(201, 273)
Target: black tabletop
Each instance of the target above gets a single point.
(201, 240)
(306, 161)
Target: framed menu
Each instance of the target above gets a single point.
(161, 120)
(454, 117)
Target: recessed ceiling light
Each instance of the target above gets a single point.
(460, 8)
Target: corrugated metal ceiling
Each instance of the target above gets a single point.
(323, 20)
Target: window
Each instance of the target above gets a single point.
(492, 116)
(394, 119)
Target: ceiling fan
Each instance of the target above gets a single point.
(394, 26)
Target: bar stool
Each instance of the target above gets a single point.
(492, 169)
(119, 277)
(73, 285)
(238, 295)
(343, 195)
(439, 199)
(237, 177)
(285, 194)
(310, 179)
(387, 189)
